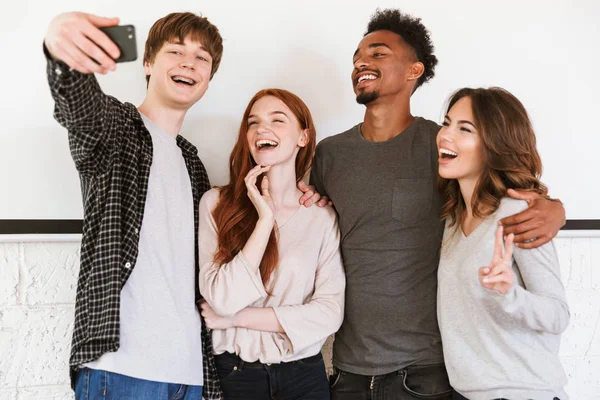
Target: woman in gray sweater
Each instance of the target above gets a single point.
(501, 308)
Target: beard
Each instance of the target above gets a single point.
(366, 98)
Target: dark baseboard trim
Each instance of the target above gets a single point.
(74, 226)
(40, 226)
(582, 225)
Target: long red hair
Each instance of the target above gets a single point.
(234, 214)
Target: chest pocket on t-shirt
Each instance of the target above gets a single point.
(411, 200)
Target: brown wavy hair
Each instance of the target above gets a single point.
(234, 214)
(510, 156)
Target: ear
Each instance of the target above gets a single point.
(415, 71)
(303, 140)
(147, 68)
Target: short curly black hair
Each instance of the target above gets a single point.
(412, 31)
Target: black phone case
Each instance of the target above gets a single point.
(124, 37)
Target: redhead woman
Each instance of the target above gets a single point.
(270, 270)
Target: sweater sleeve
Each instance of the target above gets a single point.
(540, 304)
(322, 315)
(229, 287)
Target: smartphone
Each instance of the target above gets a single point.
(124, 37)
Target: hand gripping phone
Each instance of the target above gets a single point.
(124, 37)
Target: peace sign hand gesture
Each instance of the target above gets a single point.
(498, 276)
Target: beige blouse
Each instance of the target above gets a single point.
(307, 287)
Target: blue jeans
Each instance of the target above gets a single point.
(94, 384)
(304, 379)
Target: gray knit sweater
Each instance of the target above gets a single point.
(501, 345)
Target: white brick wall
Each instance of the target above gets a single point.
(37, 294)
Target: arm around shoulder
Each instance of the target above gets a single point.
(538, 223)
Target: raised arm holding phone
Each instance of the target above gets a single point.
(138, 332)
(75, 39)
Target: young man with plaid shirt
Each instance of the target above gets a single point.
(138, 333)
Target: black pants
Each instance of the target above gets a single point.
(458, 396)
(304, 379)
(414, 382)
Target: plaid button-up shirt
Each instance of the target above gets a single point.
(112, 150)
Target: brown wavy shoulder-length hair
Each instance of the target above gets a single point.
(234, 214)
(510, 156)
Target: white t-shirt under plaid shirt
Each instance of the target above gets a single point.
(112, 151)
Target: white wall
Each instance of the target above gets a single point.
(544, 51)
(37, 295)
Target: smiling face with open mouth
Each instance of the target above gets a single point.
(274, 134)
(180, 73)
(460, 149)
(382, 64)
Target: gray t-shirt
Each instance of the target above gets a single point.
(160, 336)
(501, 346)
(389, 215)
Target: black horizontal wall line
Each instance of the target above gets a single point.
(581, 225)
(52, 226)
(69, 226)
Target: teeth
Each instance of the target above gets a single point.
(265, 142)
(365, 77)
(450, 153)
(183, 79)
